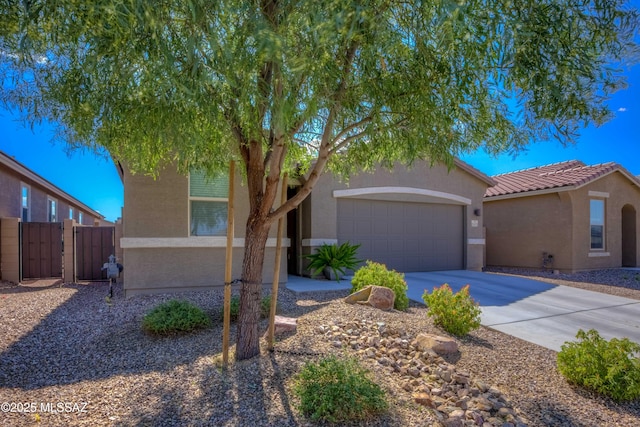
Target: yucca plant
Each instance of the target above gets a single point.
(334, 258)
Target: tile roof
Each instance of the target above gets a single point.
(573, 173)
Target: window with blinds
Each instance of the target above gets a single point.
(208, 201)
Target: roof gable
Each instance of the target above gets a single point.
(558, 176)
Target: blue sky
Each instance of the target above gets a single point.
(95, 181)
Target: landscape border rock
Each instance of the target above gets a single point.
(439, 344)
(455, 397)
(375, 296)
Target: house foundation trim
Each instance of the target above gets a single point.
(189, 242)
(598, 254)
(354, 192)
(475, 241)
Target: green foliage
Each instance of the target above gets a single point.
(175, 317)
(376, 274)
(384, 81)
(234, 305)
(611, 368)
(456, 313)
(337, 258)
(338, 391)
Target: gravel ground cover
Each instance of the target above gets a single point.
(68, 357)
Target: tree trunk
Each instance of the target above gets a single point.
(248, 338)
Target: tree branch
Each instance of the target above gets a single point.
(323, 152)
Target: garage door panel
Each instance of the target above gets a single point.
(404, 236)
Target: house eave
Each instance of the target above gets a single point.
(529, 193)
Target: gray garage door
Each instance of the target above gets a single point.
(404, 236)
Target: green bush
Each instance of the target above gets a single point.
(265, 308)
(376, 274)
(337, 390)
(456, 313)
(175, 317)
(606, 367)
(337, 258)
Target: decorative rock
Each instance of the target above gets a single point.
(458, 413)
(285, 324)
(461, 379)
(375, 296)
(454, 422)
(381, 298)
(476, 417)
(454, 397)
(441, 345)
(423, 399)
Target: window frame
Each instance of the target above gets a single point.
(52, 203)
(24, 186)
(80, 217)
(71, 212)
(603, 246)
(203, 199)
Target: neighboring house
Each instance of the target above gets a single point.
(26, 195)
(28, 198)
(566, 216)
(423, 218)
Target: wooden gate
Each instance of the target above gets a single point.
(93, 247)
(41, 252)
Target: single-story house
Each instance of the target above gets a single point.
(418, 218)
(566, 216)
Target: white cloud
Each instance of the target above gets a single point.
(622, 109)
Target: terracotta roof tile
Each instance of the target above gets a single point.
(572, 173)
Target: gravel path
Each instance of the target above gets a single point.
(82, 361)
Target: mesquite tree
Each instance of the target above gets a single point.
(304, 86)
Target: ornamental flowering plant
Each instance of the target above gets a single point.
(456, 313)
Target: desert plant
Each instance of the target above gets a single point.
(456, 313)
(234, 305)
(337, 390)
(175, 317)
(376, 274)
(606, 367)
(336, 258)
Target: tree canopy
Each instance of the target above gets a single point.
(373, 80)
(285, 85)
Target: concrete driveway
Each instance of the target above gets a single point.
(542, 313)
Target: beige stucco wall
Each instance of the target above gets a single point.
(621, 191)
(184, 269)
(520, 229)
(320, 210)
(156, 214)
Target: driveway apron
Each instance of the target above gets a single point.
(538, 312)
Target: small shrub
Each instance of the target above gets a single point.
(456, 313)
(376, 274)
(337, 258)
(606, 367)
(337, 390)
(265, 308)
(175, 317)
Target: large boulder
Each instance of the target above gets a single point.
(375, 296)
(441, 345)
